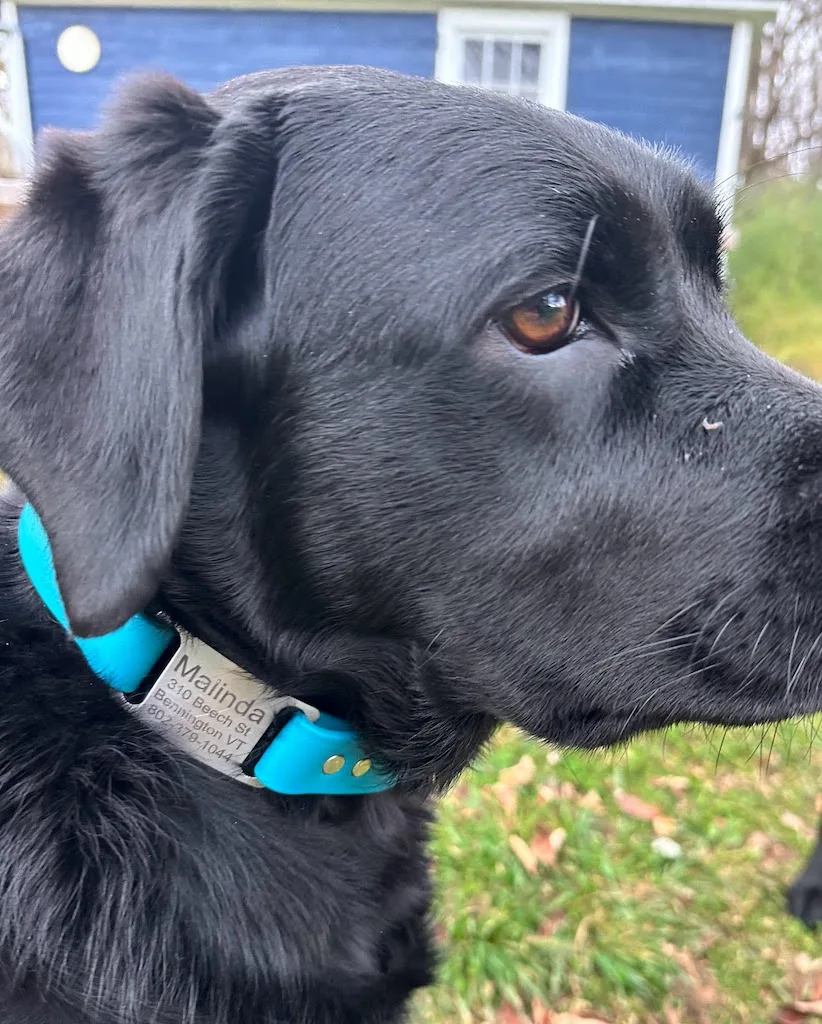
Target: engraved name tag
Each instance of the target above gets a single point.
(212, 709)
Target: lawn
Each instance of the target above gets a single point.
(646, 885)
(556, 892)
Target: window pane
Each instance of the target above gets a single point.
(472, 62)
(501, 65)
(529, 67)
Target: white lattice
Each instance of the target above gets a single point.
(15, 116)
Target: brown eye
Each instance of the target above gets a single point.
(544, 323)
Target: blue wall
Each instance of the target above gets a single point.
(204, 48)
(662, 81)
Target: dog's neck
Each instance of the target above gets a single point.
(389, 692)
(206, 704)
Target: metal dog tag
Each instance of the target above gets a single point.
(211, 708)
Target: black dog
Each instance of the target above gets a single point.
(805, 894)
(423, 406)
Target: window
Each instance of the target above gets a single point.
(15, 115)
(518, 53)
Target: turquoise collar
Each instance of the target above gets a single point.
(207, 706)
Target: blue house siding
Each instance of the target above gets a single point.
(661, 81)
(204, 48)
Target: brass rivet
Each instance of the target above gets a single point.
(361, 768)
(333, 764)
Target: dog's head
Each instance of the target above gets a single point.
(384, 365)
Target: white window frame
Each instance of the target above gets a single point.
(733, 116)
(17, 127)
(551, 29)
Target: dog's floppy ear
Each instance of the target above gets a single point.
(107, 297)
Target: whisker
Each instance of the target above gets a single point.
(719, 637)
(583, 255)
(654, 647)
(767, 160)
(729, 596)
(804, 662)
(793, 648)
(756, 644)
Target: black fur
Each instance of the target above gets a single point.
(250, 372)
(805, 893)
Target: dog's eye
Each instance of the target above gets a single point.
(544, 323)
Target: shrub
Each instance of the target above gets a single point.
(776, 272)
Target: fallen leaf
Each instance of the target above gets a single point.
(567, 791)
(540, 1014)
(777, 854)
(814, 1007)
(671, 1015)
(806, 984)
(676, 783)
(634, 807)
(663, 826)
(519, 774)
(524, 853)
(547, 794)
(573, 1018)
(508, 1015)
(551, 924)
(787, 1015)
(507, 796)
(701, 991)
(817, 804)
(546, 847)
(757, 842)
(790, 820)
(592, 801)
(456, 794)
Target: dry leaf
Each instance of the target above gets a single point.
(540, 1014)
(671, 1015)
(546, 847)
(592, 801)
(757, 842)
(524, 853)
(567, 791)
(572, 1018)
(634, 807)
(702, 991)
(550, 925)
(508, 1015)
(790, 820)
(663, 826)
(787, 1015)
(547, 794)
(676, 783)
(777, 854)
(519, 774)
(806, 984)
(507, 797)
(817, 804)
(814, 1007)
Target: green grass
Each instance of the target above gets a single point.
(777, 272)
(613, 927)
